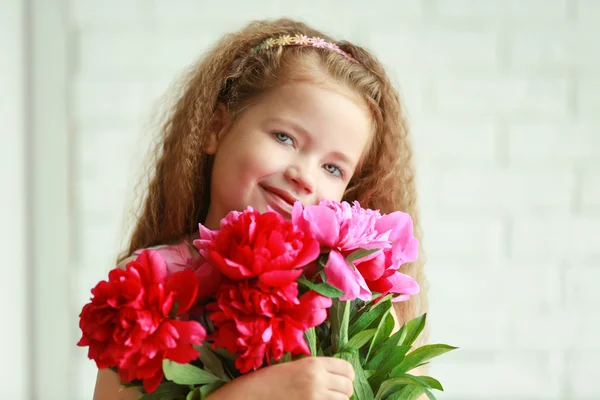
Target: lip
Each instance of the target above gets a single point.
(280, 200)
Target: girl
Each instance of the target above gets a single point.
(275, 113)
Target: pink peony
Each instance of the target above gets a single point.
(343, 228)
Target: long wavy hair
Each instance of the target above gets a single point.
(176, 195)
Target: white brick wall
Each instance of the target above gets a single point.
(504, 102)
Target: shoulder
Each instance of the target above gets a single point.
(108, 387)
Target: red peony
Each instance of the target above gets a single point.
(129, 321)
(254, 245)
(260, 323)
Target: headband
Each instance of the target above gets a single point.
(302, 40)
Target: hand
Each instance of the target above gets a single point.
(310, 378)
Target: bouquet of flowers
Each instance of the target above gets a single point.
(266, 290)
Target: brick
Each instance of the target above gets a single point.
(352, 12)
(573, 238)
(427, 188)
(581, 287)
(588, 12)
(513, 289)
(470, 238)
(142, 53)
(513, 190)
(470, 375)
(583, 374)
(113, 52)
(554, 329)
(486, 11)
(434, 48)
(347, 13)
(516, 97)
(84, 380)
(122, 100)
(588, 99)
(94, 144)
(454, 141)
(475, 330)
(554, 48)
(103, 197)
(212, 13)
(561, 142)
(174, 50)
(413, 94)
(590, 193)
(97, 246)
(86, 13)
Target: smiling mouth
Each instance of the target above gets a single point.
(279, 201)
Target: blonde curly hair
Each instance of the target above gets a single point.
(177, 196)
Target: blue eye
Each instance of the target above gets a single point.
(333, 170)
(283, 138)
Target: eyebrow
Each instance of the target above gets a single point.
(299, 128)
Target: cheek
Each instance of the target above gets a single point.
(258, 159)
(329, 190)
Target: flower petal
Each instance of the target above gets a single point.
(403, 284)
(323, 223)
(184, 285)
(154, 265)
(279, 278)
(346, 278)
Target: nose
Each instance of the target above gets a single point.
(301, 179)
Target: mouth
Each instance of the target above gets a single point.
(280, 200)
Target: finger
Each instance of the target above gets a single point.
(337, 396)
(338, 366)
(340, 384)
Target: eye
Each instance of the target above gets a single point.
(284, 138)
(334, 170)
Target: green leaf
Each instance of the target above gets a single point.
(414, 327)
(211, 361)
(345, 320)
(414, 380)
(210, 388)
(287, 357)
(339, 317)
(362, 389)
(421, 355)
(194, 394)
(322, 288)
(402, 333)
(311, 339)
(360, 253)
(409, 392)
(392, 385)
(226, 354)
(386, 365)
(432, 383)
(369, 373)
(360, 339)
(385, 328)
(168, 390)
(187, 374)
(386, 348)
(429, 394)
(368, 316)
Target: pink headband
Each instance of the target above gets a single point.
(302, 40)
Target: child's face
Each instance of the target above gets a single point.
(300, 141)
